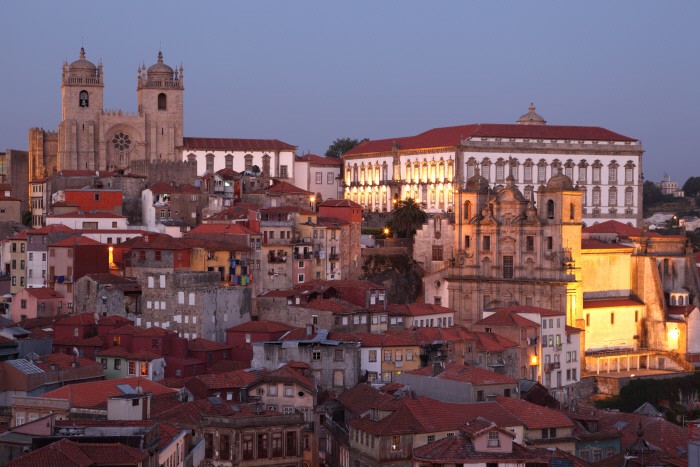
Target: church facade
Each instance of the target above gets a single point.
(605, 166)
(92, 138)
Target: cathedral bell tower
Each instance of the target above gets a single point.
(82, 88)
(160, 102)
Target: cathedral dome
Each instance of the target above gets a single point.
(531, 117)
(160, 70)
(560, 182)
(82, 68)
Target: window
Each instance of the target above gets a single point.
(612, 197)
(316, 355)
(387, 355)
(372, 356)
(480, 396)
(319, 178)
(162, 101)
(612, 318)
(330, 178)
(338, 354)
(272, 390)
(541, 172)
(144, 369)
(494, 439)
(467, 241)
(507, 267)
(277, 445)
(83, 99)
(262, 445)
(399, 355)
(629, 174)
(338, 378)
(431, 438)
(291, 443)
(246, 447)
(117, 364)
(437, 252)
(612, 174)
(486, 243)
(23, 303)
(550, 209)
(596, 196)
(283, 171)
(395, 443)
(629, 196)
(132, 368)
(288, 390)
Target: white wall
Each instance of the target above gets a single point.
(277, 159)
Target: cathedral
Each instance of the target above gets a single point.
(92, 138)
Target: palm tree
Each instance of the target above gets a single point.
(407, 216)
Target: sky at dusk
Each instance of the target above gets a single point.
(308, 72)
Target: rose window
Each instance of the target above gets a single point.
(121, 142)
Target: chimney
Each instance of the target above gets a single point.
(437, 368)
(309, 329)
(145, 239)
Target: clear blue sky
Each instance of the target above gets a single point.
(308, 72)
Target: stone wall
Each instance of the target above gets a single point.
(166, 171)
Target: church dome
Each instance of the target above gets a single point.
(560, 182)
(82, 68)
(531, 117)
(477, 183)
(160, 70)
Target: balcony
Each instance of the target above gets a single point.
(277, 241)
(307, 255)
(333, 257)
(277, 259)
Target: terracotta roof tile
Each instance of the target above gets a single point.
(76, 241)
(339, 203)
(466, 374)
(43, 293)
(593, 244)
(285, 188)
(534, 416)
(506, 318)
(87, 215)
(261, 326)
(228, 379)
(234, 144)
(222, 229)
(451, 136)
(205, 345)
(95, 393)
(314, 159)
(417, 309)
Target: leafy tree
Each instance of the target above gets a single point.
(691, 187)
(343, 145)
(651, 194)
(407, 216)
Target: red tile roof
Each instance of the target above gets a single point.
(452, 136)
(594, 244)
(96, 393)
(130, 329)
(162, 188)
(283, 188)
(261, 326)
(287, 373)
(77, 173)
(222, 229)
(360, 398)
(43, 293)
(339, 203)
(611, 302)
(534, 416)
(465, 374)
(79, 319)
(572, 330)
(122, 352)
(286, 210)
(76, 241)
(228, 379)
(47, 229)
(62, 360)
(417, 309)
(507, 318)
(87, 215)
(425, 415)
(313, 159)
(614, 227)
(156, 241)
(205, 345)
(234, 144)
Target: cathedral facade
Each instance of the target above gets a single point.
(92, 138)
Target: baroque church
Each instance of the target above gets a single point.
(92, 138)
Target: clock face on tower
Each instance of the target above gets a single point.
(122, 142)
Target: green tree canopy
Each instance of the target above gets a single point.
(691, 187)
(342, 145)
(651, 194)
(407, 216)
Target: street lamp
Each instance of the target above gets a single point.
(386, 232)
(312, 201)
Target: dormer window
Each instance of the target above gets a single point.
(494, 439)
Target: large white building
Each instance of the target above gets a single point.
(429, 167)
(269, 157)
